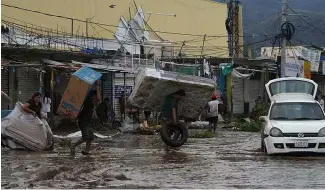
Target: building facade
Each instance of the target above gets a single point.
(171, 20)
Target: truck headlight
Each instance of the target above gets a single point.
(321, 132)
(276, 132)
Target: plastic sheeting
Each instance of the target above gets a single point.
(237, 74)
(129, 126)
(152, 87)
(20, 130)
(78, 135)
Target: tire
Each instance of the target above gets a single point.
(263, 147)
(174, 135)
(262, 143)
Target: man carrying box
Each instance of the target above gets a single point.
(85, 119)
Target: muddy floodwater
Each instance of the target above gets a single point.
(230, 160)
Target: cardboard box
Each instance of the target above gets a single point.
(80, 84)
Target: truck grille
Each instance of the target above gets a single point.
(296, 134)
(292, 145)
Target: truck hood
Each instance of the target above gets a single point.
(299, 126)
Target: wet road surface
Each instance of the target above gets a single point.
(230, 160)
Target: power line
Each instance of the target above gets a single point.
(306, 20)
(78, 46)
(21, 27)
(66, 41)
(102, 24)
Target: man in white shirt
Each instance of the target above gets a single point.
(213, 113)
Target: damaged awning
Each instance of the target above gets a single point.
(75, 65)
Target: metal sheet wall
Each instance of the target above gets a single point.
(107, 86)
(5, 80)
(238, 95)
(28, 83)
(119, 81)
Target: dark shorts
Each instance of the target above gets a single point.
(86, 130)
(213, 119)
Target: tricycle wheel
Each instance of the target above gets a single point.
(174, 135)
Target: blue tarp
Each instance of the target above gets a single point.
(87, 74)
(5, 113)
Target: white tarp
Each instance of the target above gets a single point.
(20, 130)
(78, 135)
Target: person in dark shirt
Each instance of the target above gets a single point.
(103, 110)
(169, 113)
(122, 105)
(34, 105)
(85, 119)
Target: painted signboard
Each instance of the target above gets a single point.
(294, 68)
(307, 69)
(312, 55)
(118, 89)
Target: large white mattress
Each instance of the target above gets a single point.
(153, 86)
(24, 131)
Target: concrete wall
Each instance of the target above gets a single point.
(192, 16)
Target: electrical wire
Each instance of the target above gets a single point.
(193, 49)
(63, 34)
(306, 20)
(172, 46)
(102, 24)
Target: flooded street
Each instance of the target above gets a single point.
(230, 160)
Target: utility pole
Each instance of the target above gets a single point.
(203, 45)
(235, 22)
(284, 40)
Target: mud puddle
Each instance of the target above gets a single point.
(230, 160)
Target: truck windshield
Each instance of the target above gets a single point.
(292, 86)
(296, 111)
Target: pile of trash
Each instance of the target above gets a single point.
(20, 130)
(129, 126)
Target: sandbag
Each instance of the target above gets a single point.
(20, 129)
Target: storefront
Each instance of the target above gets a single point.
(27, 82)
(5, 80)
(120, 80)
